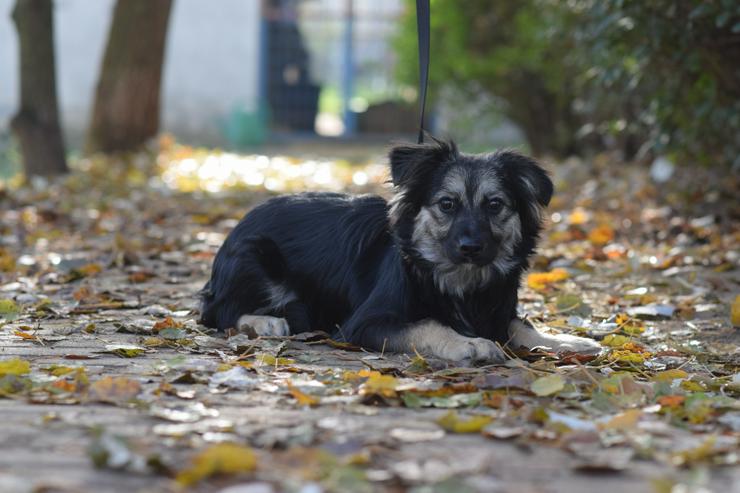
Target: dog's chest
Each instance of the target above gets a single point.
(478, 315)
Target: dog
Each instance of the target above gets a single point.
(435, 270)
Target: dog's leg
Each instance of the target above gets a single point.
(263, 325)
(522, 334)
(434, 339)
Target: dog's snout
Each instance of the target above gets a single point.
(469, 247)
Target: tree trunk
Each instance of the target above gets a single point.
(36, 125)
(126, 111)
(545, 118)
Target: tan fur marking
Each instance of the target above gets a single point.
(522, 334)
(431, 338)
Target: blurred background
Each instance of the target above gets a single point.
(654, 82)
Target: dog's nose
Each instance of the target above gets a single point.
(469, 247)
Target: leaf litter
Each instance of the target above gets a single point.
(106, 284)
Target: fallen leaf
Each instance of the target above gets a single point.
(601, 235)
(623, 421)
(9, 310)
(378, 384)
(14, 384)
(615, 340)
(735, 312)
(578, 216)
(456, 424)
(221, 459)
(669, 375)
(265, 359)
(547, 385)
(671, 401)
(627, 357)
(124, 350)
(629, 325)
(302, 398)
(540, 280)
(27, 336)
(167, 323)
(172, 334)
(114, 390)
(572, 304)
(14, 366)
(59, 370)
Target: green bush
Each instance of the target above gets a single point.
(659, 76)
(509, 50)
(679, 62)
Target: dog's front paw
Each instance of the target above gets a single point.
(472, 350)
(566, 343)
(263, 325)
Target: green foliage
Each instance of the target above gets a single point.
(509, 50)
(680, 61)
(660, 76)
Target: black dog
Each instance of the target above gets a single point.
(436, 270)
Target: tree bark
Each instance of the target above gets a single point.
(126, 110)
(36, 125)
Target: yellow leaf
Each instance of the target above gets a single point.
(601, 235)
(379, 384)
(736, 311)
(621, 356)
(26, 336)
(15, 366)
(548, 385)
(578, 216)
(270, 360)
(615, 340)
(302, 398)
(9, 310)
(692, 386)
(221, 459)
(629, 325)
(153, 341)
(623, 421)
(59, 370)
(540, 280)
(668, 375)
(454, 423)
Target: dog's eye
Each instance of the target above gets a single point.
(495, 205)
(446, 204)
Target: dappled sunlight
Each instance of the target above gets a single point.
(215, 171)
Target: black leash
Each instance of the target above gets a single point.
(422, 28)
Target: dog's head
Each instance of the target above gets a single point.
(471, 217)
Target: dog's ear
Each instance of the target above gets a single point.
(412, 163)
(531, 185)
(527, 177)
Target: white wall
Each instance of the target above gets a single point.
(211, 63)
